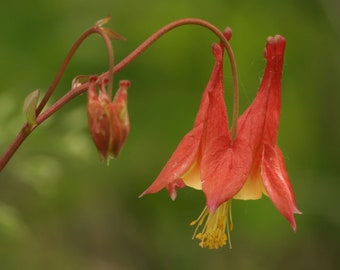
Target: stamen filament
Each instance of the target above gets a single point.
(217, 227)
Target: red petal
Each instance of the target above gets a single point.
(260, 122)
(216, 122)
(274, 54)
(180, 161)
(120, 118)
(216, 78)
(224, 170)
(99, 119)
(171, 187)
(187, 150)
(277, 184)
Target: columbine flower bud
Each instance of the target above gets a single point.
(108, 120)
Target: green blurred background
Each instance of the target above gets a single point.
(61, 208)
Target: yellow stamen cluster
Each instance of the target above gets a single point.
(216, 230)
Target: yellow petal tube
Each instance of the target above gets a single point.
(192, 177)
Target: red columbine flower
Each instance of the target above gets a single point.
(253, 155)
(108, 120)
(208, 158)
(268, 174)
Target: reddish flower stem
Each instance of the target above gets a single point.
(188, 21)
(62, 69)
(69, 56)
(27, 129)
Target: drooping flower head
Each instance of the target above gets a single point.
(250, 165)
(225, 166)
(108, 120)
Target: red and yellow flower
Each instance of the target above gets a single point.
(223, 166)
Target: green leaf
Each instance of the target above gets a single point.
(101, 22)
(113, 35)
(30, 104)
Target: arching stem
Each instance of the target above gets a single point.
(190, 21)
(70, 54)
(26, 129)
(62, 69)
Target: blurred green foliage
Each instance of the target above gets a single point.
(61, 208)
